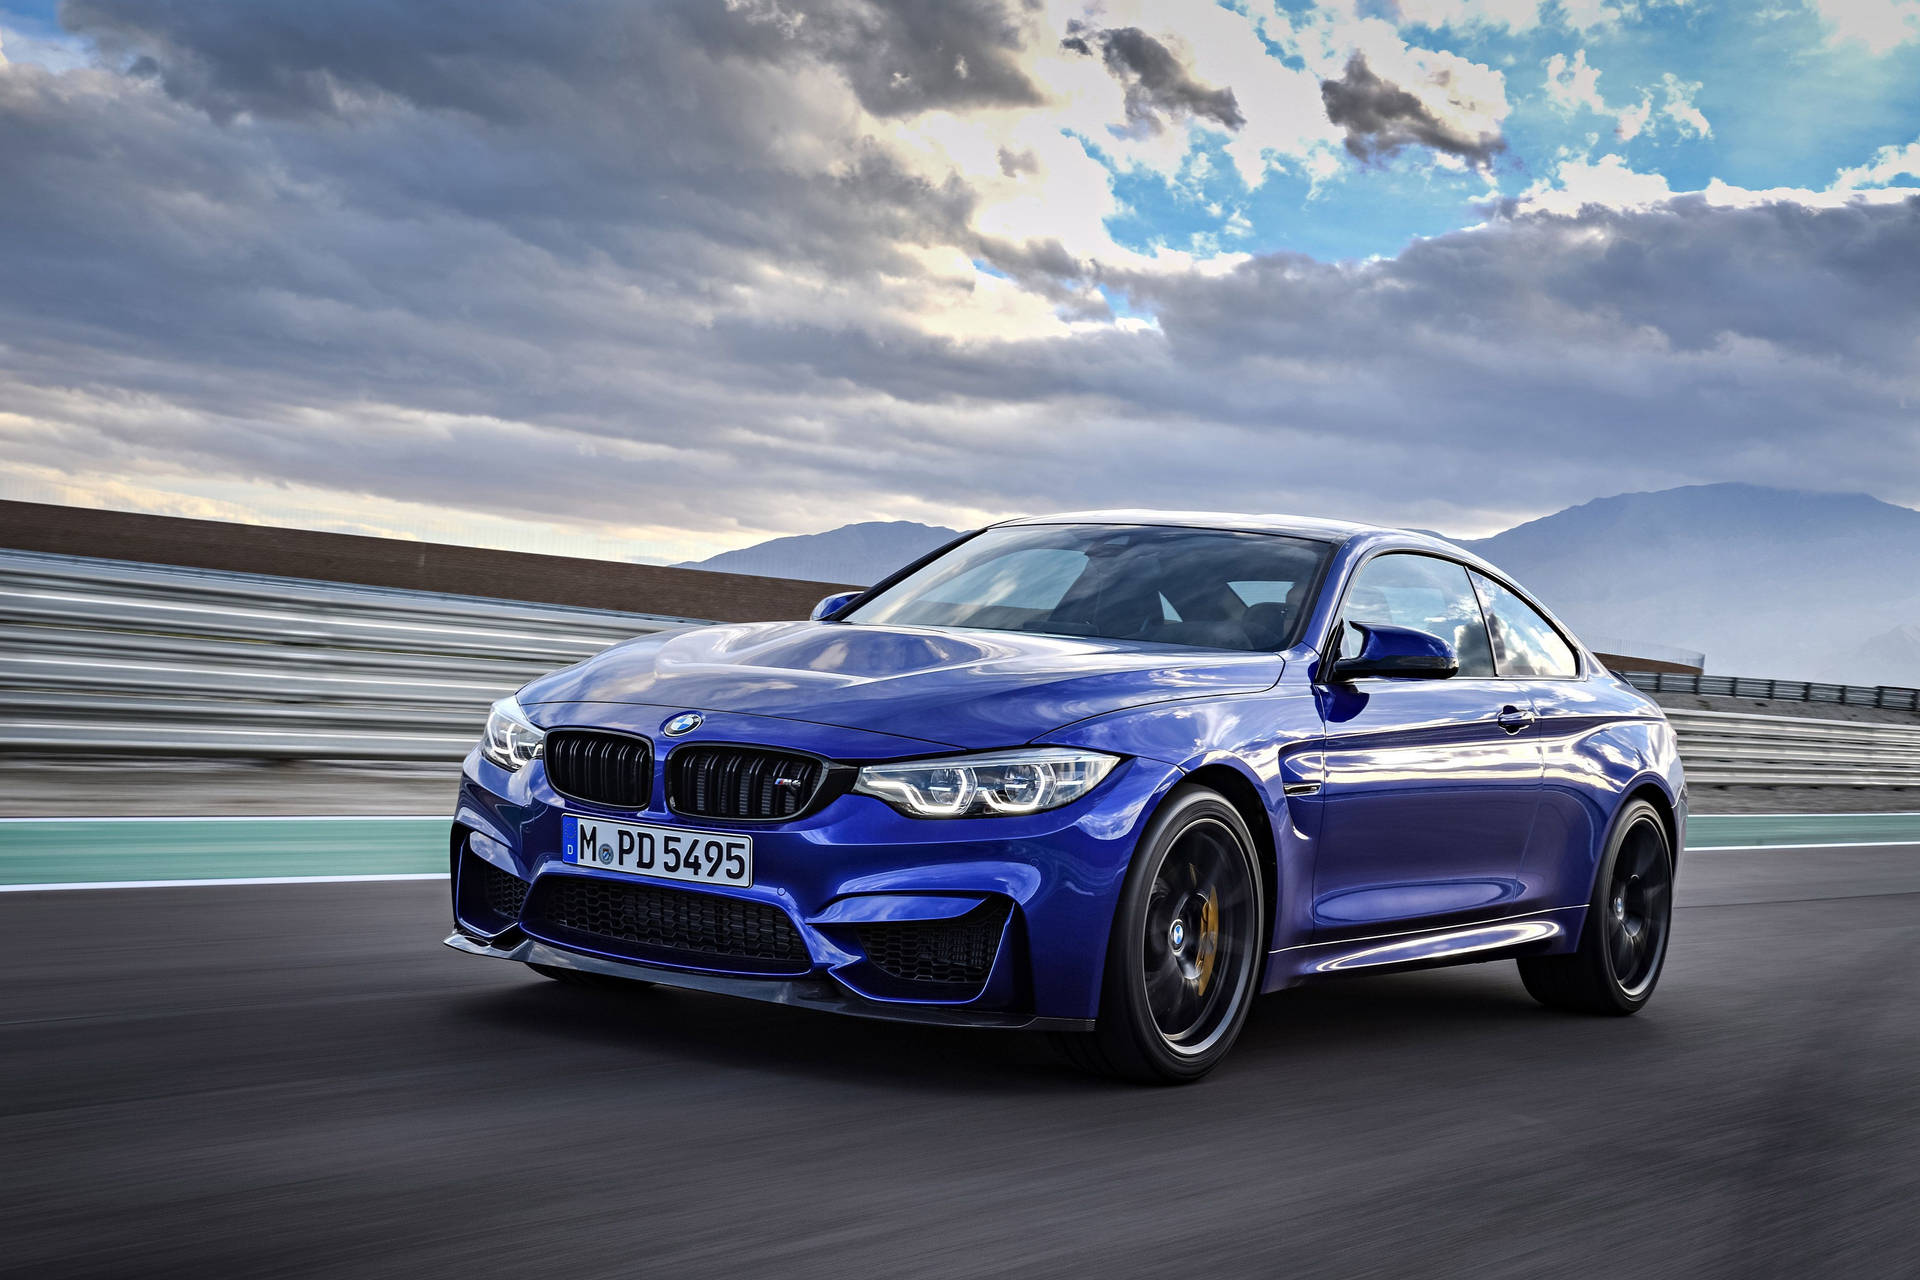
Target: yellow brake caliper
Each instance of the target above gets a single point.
(1209, 942)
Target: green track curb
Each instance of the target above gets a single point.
(95, 850)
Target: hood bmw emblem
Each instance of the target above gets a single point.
(685, 722)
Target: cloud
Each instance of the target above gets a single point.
(671, 273)
(1522, 16)
(1607, 183)
(287, 59)
(1678, 106)
(1382, 118)
(1572, 85)
(1159, 85)
(1513, 15)
(1889, 164)
(40, 47)
(1879, 25)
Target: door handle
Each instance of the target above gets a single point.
(1514, 719)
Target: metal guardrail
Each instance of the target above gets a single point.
(1728, 747)
(1893, 697)
(111, 658)
(108, 657)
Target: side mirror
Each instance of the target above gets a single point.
(1397, 653)
(834, 604)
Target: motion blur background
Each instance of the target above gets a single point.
(360, 361)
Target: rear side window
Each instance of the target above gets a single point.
(1524, 643)
(1424, 594)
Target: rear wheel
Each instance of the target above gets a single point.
(1623, 943)
(1183, 962)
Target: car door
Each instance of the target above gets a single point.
(1531, 654)
(1431, 785)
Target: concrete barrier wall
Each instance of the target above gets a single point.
(410, 566)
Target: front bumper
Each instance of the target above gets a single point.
(804, 993)
(839, 878)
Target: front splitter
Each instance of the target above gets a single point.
(804, 993)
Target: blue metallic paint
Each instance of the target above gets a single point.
(1406, 822)
(974, 689)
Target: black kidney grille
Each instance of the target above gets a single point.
(669, 924)
(958, 951)
(605, 768)
(749, 784)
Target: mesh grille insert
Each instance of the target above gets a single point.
(505, 893)
(672, 924)
(950, 952)
(605, 768)
(743, 783)
(490, 899)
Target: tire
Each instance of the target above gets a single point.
(1623, 941)
(581, 978)
(1185, 955)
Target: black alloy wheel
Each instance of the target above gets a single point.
(1183, 962)
(1623, 943)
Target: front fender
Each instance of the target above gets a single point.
(1270, 743)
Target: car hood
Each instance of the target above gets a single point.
(956, 688)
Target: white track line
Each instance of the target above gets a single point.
(193, 884)
(1843, 844)
(1768, 817)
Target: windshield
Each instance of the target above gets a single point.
(1209, 588)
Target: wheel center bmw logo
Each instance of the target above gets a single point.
(1177, 935)
(685, 722)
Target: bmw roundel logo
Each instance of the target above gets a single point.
(685, 722)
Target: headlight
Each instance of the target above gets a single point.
(995, 782)
(511, 740)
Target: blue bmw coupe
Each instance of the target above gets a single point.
(1108, 775)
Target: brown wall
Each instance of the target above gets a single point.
(415, 566)
(1621, 662)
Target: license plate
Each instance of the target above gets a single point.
(663, 853)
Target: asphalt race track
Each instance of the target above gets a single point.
(298, 1079)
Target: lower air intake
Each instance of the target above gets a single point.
(673, 926)
(957, 952)
(490, 899)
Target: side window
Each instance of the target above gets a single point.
(1524, 643)
(1403, 589)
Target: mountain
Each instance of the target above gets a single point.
(1768, 582)
(855, 554)
(1892, 657)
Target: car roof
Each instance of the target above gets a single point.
(1361, 539)
(1337, 531)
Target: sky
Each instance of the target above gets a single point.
(658, 279)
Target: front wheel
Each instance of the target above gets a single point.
(1623, 942)
(1183, 961)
